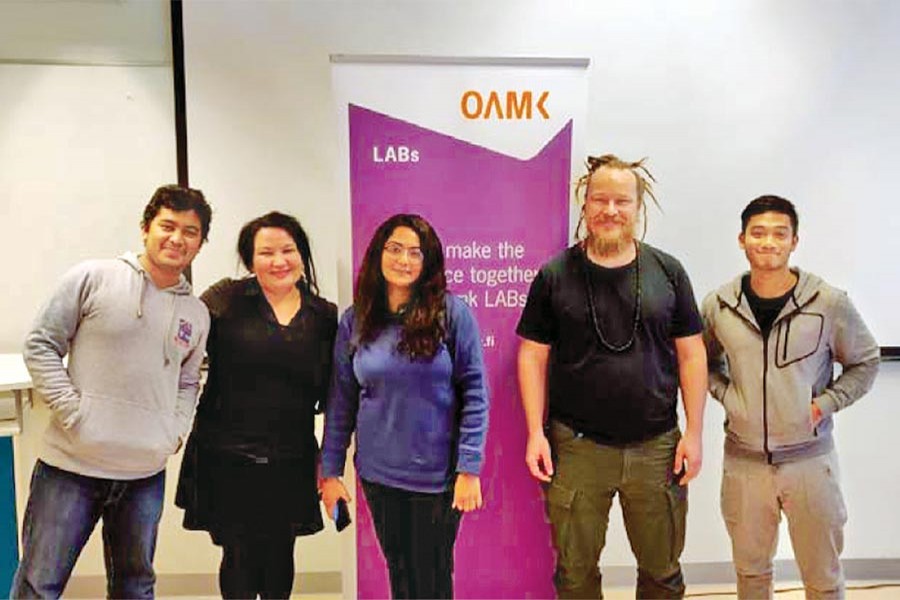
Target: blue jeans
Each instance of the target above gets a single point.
(63, 509)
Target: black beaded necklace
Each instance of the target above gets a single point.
(637, 303)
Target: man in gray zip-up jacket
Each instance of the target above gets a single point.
(772, 337)
(135, 337)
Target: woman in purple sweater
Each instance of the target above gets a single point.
(409, 379)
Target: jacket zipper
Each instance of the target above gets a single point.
(787, 337)
(766, 399)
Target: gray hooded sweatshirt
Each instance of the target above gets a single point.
(127, 397)
(767, 384)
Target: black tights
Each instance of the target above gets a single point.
(257, 565)
(416, 532)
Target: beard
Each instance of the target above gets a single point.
(612, 244)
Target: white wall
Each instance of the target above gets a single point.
(730, 100)
(686, 84)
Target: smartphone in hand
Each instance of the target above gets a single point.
(341, 514)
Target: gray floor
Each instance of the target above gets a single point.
(857, 590)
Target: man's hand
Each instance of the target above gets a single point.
(332, 489)
(467, 492)
(537, 457)
(690, 451)
(692, 377)
(816, 413)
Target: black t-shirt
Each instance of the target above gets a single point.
(612, 397)
(765, 310)
(613, 292)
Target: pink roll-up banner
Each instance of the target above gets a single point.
(482, 149)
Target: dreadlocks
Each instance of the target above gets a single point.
(641, 174)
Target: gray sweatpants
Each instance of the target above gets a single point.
(808, 492)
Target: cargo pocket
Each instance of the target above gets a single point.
(677, 497)
(559, 510)
(732, 498)
(823, 490)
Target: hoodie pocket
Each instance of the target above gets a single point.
(738, 417)
(791, 421)
(123, 435)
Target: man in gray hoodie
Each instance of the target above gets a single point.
(135, 337)
(772, 337)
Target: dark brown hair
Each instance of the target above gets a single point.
(424, 316)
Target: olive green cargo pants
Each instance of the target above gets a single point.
(587, 477)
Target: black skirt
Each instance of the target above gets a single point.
(233, 494)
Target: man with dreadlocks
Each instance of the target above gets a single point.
(609, 333)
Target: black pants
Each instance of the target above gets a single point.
(254, 565)
(416, 532)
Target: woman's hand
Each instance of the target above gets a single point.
(333, 489)
(467, 492)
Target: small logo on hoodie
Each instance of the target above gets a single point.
(183, 338)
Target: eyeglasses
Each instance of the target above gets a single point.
(396, 251)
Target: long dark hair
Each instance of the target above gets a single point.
(277, 220)
(423, 320)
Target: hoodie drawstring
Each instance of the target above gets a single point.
(140, 302)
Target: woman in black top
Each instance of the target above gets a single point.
(249, 472)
